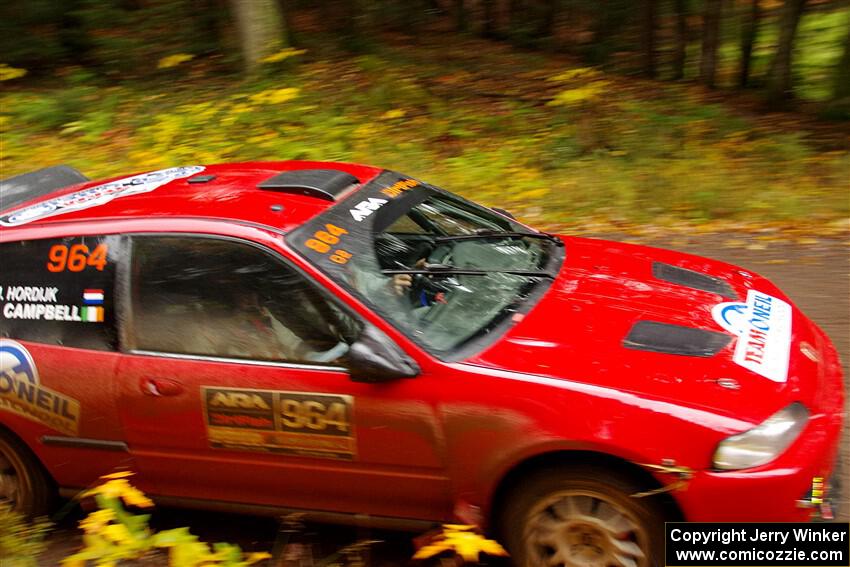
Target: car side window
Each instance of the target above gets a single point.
(220, 298)
(60, 291)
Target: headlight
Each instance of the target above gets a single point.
(763, 443)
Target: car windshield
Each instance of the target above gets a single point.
(447, 272)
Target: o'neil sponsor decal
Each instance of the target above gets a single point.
(21, 392)
(763, 326)
(98, 195)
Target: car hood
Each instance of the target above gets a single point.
(647, 321)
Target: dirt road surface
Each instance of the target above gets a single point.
(816, 275)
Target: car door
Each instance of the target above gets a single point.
(58, 353)
(232, 390)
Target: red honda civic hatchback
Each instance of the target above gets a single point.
(361, 345)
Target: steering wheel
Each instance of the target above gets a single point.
(426, 290)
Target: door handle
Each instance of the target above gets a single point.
(159, 387)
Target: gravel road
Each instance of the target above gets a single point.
(816, 275)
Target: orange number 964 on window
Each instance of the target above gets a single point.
(75, 258)
(323, 240)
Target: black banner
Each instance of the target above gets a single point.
(757, 544)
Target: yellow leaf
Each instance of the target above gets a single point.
(585, 93)
(120, 488)
(459, 527)
(274, 96)
(392, 114)
(282, 54)
(97, 520)
(258, 556)
(572, 74)
(8, 73)
(118, 533)
(174, 60)
(430, 550)
(116, 475)
(463, 541)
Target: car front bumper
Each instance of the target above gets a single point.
(778, 491)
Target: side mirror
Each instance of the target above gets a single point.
(503, 212)
(375, 358)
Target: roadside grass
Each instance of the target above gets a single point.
(559, 145)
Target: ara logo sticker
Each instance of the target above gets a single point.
(365, 208)
(98, 195)
(22, 394)
(763, 327)
(295, 423)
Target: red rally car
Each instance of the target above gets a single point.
(356, 343)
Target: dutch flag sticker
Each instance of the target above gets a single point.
(93, 297)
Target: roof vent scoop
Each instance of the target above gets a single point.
(325, 184)
(675, 339)
(29, 186)
(692, 279)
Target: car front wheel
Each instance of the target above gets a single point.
(582, 517)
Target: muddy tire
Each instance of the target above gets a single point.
(24, 485)
(581, 516)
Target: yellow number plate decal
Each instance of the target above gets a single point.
(296, 423)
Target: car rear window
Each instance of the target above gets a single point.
(60, 291)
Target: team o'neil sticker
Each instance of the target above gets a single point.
(21, 392)
(98, 195)
(763, 326)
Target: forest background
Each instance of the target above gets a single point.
(577, 115)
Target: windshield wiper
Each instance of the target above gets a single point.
(445, 269)
(484, 233)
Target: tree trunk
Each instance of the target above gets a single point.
(710, 40)
(516, 28)
(206, 18)
(359, 20)
(488, 23)
(680, 39)
(779, 78)
(548, 15)
(748, 39)
(602, 26)
(648, 37)
(841, 82)
(461, 18)
(433, 8)
(73, 37)
(286, 31)
(260, 28)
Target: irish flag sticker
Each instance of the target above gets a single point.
(91, 314)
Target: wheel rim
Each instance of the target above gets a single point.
(10, 482)
(584, 529)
